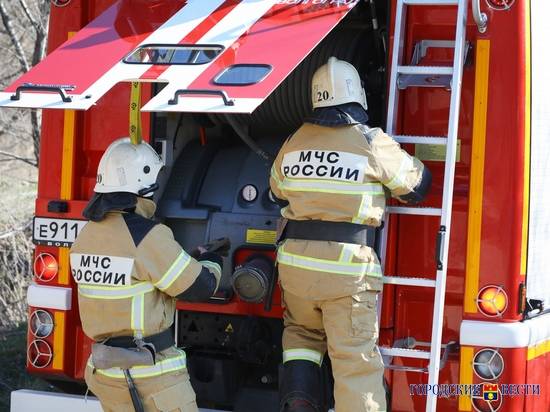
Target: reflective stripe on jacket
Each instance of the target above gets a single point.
(171, 360)
(337, 174)
(128, 289)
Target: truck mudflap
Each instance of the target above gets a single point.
(215, 55)
(25, 400)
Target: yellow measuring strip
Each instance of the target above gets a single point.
(135, 115)
(473, 247)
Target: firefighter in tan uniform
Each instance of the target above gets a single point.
(129, 272)
(331, 176)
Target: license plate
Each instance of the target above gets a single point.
(56, 232)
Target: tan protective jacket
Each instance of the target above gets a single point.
(126, 289)
(337, 174)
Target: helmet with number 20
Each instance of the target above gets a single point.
(337, 82)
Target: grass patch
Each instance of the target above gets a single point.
(13, 375)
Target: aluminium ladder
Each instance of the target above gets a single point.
(414, 75)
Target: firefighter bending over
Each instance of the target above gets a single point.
(129, 270)
(331, 177)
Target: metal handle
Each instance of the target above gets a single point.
(480, 18)
(438, 244)
(41, 88)
(453, 347)
(226, 100)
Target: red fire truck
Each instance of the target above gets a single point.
(217, 86)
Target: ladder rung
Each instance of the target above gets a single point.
(408, 281)
(421, 139)
(431, 2)
(404, 353)
(418, 211)
(400, 368)
(426, 70)
(424, 76)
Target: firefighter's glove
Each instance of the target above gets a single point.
(211, 257)
(219, 246)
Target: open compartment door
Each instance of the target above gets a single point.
(214, 55)
(83, 69)
(263, 41)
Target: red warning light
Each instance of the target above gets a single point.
(500, 4)
(45, 267)
(492, 301)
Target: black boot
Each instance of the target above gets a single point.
(300, 389)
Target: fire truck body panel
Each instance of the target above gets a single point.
(500, 172)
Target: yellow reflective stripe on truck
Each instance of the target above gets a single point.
(329, 266)
(477, 173)
(165, 366)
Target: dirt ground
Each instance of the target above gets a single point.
(12, 366)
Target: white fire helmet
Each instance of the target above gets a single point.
(337, 82)
(128, 167)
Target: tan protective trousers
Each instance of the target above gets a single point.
(349, 326)
(171, 392)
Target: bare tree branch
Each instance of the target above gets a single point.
(8, 76)
(8, 24)
(35, 124)
(16, 157)
(13, 231)
(38, 27)
(23, 33)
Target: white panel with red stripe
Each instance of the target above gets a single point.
(277, 33)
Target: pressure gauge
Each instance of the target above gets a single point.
(249, 193)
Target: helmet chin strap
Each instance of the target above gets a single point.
(148, 190)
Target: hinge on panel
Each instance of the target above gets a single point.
(535, 304)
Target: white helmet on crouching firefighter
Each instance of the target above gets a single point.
(337, 82)
(128, 167)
